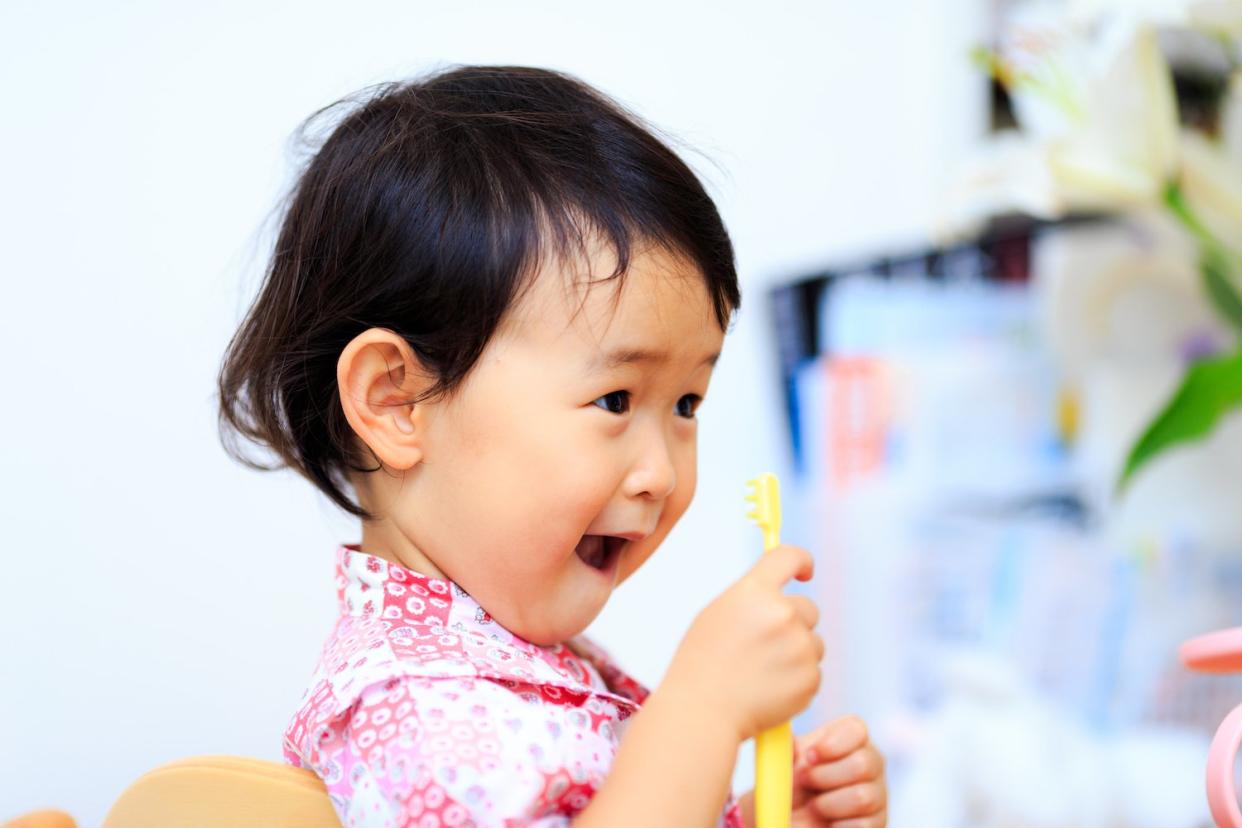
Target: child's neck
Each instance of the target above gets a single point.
(383, 539)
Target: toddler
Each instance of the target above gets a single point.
(492, 312)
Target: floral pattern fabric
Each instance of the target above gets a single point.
(423, 711)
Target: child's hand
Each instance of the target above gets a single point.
(838, 778)
(751, 656)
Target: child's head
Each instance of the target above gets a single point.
(455, 324)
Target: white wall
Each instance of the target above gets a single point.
(159, 601)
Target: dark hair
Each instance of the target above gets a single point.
(426, 211)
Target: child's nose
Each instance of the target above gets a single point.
(654, 473)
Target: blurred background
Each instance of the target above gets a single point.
(981, 245)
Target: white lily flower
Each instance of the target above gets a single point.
(1231, 120)
(1008, 173)
(1099, 126)
(1223, 16)
(1124, 294)
(1211, 172)
(1117, 145)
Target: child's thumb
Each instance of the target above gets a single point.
(780, 563)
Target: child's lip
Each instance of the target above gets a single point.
(629, 536)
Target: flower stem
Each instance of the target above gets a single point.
(1176, 202)
(1215, 261)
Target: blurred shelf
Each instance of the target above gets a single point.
(1001, 253)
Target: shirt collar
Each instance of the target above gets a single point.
(374, 588)
(370, 585)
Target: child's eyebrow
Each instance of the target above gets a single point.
(629, 356)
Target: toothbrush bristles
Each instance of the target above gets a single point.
(762, 495)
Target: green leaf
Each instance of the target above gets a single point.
(1209, 390)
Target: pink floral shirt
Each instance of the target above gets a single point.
(423, 711)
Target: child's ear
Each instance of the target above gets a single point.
(377, 375)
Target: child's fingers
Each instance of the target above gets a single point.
(833, 740)
(865, 765)
(863, 800)
(879, 820)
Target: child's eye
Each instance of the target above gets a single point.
(691, 405)
(621, 399)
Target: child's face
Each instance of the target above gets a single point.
(547, 443)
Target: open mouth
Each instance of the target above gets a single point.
(600, 551)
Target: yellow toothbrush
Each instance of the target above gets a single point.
(774, 746)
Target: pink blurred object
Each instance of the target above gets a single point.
(1220, 652)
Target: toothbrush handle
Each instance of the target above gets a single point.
(774, 777)
(773, 755)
